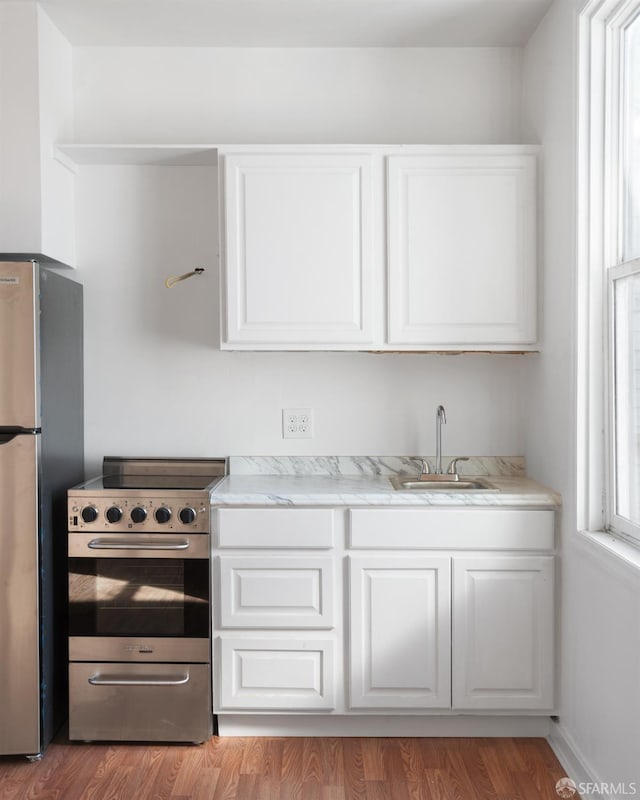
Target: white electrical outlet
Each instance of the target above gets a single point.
(297, 423)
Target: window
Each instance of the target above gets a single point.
(631, 143)
(626, 392)
(609, 166)
(624, 281)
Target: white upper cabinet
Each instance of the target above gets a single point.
(462, 248)
(303, 242)
(37, 191)
(297, 231)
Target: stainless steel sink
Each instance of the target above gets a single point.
(404, 483)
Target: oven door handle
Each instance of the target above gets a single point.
(98, 680)
(141, 544)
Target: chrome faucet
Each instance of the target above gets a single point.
(437, 474)
(441, 419)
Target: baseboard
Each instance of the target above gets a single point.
(371, 725)
(570, 757)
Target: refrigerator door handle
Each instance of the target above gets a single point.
(7, 434)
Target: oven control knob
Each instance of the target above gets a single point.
(187, 515)
(113, 514)
(89, 513)
(138, 514)
(163, 514)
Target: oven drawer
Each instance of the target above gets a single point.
(140, 702)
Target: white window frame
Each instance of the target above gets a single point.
(600, 106)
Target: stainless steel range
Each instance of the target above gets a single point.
(140, 601)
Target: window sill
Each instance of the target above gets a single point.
(623, 551)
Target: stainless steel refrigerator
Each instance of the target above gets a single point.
(41, 455)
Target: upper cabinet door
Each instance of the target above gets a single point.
(298, 250)
(462, 248)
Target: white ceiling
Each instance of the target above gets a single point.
(298, 23)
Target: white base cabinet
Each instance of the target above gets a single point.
(316, 610)
(275, 621)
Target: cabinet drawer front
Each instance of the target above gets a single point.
(277, 674)
(452, 528)
(300, 528)
(276, 592)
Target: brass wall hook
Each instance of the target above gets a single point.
(173, 279)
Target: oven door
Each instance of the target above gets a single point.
(139, 598)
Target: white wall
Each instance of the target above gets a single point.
(601, 701)
(548, 118)
(155, 381)
(599, 636)
(156, 384)
(265, 95)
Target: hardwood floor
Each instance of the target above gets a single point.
(289, 769)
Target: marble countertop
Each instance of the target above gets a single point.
(372, 490)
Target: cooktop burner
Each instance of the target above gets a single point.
(146, 494)
(163, 482)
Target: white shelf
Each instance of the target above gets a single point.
(73, 155)
(141, 154)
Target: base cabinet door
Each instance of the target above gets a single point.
(278, 674)
(503, 632)
(400, 647)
